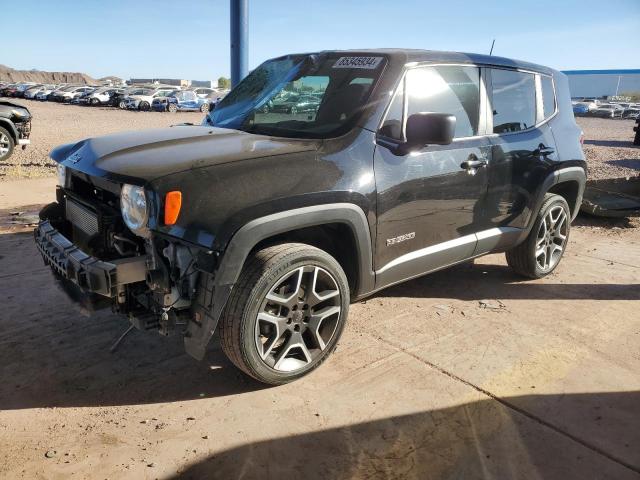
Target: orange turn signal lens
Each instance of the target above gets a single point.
(172, 204)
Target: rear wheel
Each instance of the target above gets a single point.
(286, 313)
(144, 106)
(6, 144)
(542, 251)
(204, 108)
(173, 108)
(95, 101)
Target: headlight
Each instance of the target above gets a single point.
(135, 209)
(62, 175)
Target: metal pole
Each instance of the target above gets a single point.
(239, 40)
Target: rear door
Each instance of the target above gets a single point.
(429, 202)
(522, 144)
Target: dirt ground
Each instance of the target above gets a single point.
(56, 123)
(466, 373)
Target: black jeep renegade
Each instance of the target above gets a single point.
(265, 223)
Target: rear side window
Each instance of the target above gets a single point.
(446, 89)
(513, 100)
(548, 96)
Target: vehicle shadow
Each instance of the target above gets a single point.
(630, 163)
(470, 281)
(52, 356)
(577, 436)
(611, 143)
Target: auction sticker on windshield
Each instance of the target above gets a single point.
(369, 63)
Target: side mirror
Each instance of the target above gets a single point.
(429, 128)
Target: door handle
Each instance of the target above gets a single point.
(473, 162)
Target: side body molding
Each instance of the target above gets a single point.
(246, 238)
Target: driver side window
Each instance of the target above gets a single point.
(446, 89)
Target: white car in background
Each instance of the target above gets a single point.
(101, 96)
(32, 91)
(45, 91)
(143, 102)
(70, 94)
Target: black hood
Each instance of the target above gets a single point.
(143, 156)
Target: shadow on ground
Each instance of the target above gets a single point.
(52, 356)
(596, 437)
(610, 143)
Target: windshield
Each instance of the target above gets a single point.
(307, 96)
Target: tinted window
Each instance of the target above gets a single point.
(548, 96)
(446, 89)
(514, 101)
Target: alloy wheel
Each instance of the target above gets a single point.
(298, 318)
(551, 238)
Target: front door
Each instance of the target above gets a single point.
(430, 202)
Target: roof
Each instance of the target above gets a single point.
(435, 56)
(603, 72)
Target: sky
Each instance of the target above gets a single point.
(190, 38)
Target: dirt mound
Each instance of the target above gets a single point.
(9, 74)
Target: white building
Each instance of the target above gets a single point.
(603, 83)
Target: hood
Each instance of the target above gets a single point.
(142, 156)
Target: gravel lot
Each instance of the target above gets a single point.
(609, 147)
(608, 143)
(54, 124)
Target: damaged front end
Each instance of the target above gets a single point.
(86, 238)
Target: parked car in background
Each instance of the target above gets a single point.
(79, 97)
(580, 109)
(58, 94)
(44, 93)
(32, 92)
(102, 96)
(143, 102)
(75, 92)
(202, 92)
(179, 101)
(296, 104)
(15, 128)
(632, 113)
(607, 110)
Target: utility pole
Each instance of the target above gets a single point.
(239, 40)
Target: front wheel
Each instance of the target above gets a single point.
(542, 250)
(286, 313)
(6, 144)
(173, 108)
(144, 106)
(204, 108)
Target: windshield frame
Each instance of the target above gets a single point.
(270, 92)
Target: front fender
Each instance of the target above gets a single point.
(218, 288)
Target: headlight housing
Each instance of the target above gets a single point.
(62, 175)
(135, 209)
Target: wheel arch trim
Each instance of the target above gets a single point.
(259, 229)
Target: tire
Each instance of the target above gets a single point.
(144, 106)
(542, 250)
(204, 108)
(173, 108)
(95, 102)
(294, 111)
(281, 345)
(6, 144)
(122, 104)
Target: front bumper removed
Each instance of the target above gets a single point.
(89, 273)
